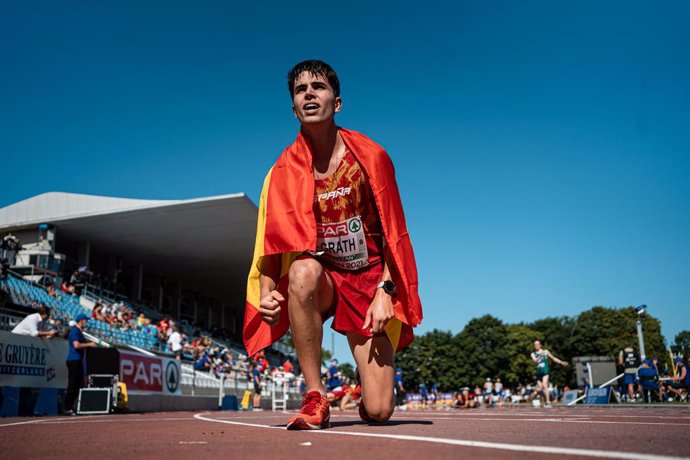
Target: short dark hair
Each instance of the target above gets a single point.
(44, 310)
(314, 67)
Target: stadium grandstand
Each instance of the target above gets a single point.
(130, 262)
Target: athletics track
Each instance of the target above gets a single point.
(505, 433)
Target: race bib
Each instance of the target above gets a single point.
(343, 243)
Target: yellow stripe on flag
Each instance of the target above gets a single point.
(253, 285)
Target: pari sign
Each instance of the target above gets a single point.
(150, 374)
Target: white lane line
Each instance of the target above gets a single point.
(112, 420)
(555, 419)
(467, 443)
(91, 419)
(23, 423)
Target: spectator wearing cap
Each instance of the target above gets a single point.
(333, 382)
(649, 380)
(35, 324)
(75, 358)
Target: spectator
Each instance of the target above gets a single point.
(463, 399)
(423, 392)
(203, 360)
(649, 381)
(399, 383)
(680, 382)
(333, 381)
(255, 377)
(52, 292)
(75, 356)
(488, 392)
(36, 324)
(175, 343)
(630, 361)
(287, 365)
(433, 394)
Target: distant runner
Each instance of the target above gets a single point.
(541, 357)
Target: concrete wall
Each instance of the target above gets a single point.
(163, 403)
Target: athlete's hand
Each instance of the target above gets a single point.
(565, 363)
(269, 307)
(379, 313)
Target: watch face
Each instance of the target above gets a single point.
(389, 286)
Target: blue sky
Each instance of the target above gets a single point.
(541, 148)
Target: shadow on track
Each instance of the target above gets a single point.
(389, 423)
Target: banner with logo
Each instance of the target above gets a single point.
(150, 374)
(598, 395)
(32, 362)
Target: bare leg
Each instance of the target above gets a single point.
(631, 391)
(545, 388)
(310, 293)
(375, 361)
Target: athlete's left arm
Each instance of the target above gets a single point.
(558, 361)
(381, 308)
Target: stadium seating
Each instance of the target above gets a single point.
(67, 307)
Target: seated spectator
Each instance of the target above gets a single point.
(36, 324)
(463, 399)
(51, 291)
(202, 361)
(68, 288)
(649, 381)
(680, 382)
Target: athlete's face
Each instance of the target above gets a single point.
(313, 100)
(537, 345)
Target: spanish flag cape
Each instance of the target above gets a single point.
(286, 226)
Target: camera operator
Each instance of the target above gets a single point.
(9, 247)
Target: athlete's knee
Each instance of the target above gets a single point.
(304, 277)
(380, 411)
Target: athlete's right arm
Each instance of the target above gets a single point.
(269, 305)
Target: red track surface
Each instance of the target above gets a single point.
(615, 432)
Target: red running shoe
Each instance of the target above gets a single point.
(315, 413)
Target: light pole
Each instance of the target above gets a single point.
(640, 338)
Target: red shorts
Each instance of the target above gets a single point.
(353, 292)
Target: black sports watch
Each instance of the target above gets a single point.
(388, 287)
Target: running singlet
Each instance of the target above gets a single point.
(348, 228)
(542, 362)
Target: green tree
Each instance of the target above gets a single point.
(681, 343)
(431, 358)
(482, 351)
(519, 344)
(347, 370)
(605, 331)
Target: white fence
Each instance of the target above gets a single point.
(236, 383)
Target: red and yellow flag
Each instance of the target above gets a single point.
(286, 226)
